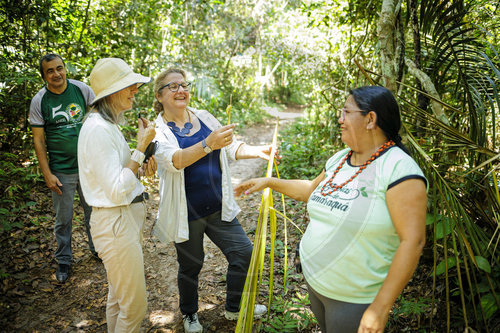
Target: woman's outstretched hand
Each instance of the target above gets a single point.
(251, 185)
(264, 152)
(247, 151)
(221, 137)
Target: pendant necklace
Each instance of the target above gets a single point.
(328, 188)
(181, 132)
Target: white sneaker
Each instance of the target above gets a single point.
(191, 324)
(258, 312)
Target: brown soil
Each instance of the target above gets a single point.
(33, 301)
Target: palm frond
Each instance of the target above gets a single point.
(466, 237)
(285, 231)
(454, 55)
(254, 275)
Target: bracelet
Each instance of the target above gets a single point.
(138, 156)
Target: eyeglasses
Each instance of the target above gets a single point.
(343, 111)
(174, 86)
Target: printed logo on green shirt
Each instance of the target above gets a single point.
(72, 114)
(75, 112)
(340, 199)
(58, 112)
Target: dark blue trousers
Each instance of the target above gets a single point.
(234, 244)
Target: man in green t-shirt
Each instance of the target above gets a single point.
(56, 115)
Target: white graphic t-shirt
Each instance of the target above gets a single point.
(350, 241)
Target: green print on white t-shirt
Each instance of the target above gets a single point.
(350, 241)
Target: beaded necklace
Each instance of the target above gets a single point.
(333, 188)
(181, 132)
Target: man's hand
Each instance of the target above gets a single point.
(53, 183)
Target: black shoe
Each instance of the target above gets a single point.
(62, 273)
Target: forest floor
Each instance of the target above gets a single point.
(33, 301)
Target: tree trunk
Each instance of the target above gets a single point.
(422, 100)
(400, 46)
(386, 34)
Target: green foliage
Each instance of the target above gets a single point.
(445, 265)
(200, 37)
(16, 182)
(289, 315)
(459, 54)
(411, 307)
(241, 53)
(279, 248)
(488, 306)
(291, 95)
(303, 154)
(3, 274)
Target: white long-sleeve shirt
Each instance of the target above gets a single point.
(102, 156)
(172, 219)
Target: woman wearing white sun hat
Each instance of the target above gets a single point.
(109, 183)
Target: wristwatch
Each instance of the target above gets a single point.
(206, 148)
(138, 157)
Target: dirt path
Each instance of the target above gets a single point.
(32, 301)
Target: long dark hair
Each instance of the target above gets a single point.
(381, 101)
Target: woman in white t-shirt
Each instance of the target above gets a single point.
(110, 185)
(367, 214)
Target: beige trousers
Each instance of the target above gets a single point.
(117, 236)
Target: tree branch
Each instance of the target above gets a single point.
(84, 23)
(429, 87)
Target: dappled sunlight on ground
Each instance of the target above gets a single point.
(161, 318)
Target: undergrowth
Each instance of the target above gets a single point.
(16, 185)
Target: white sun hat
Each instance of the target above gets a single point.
(111, 75)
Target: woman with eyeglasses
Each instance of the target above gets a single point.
(196, 195)
(367, 213)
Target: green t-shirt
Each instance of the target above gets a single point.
(350, 241)
(61, 117)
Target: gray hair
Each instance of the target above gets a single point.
(105, 108)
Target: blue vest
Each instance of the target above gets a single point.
(202, 179)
